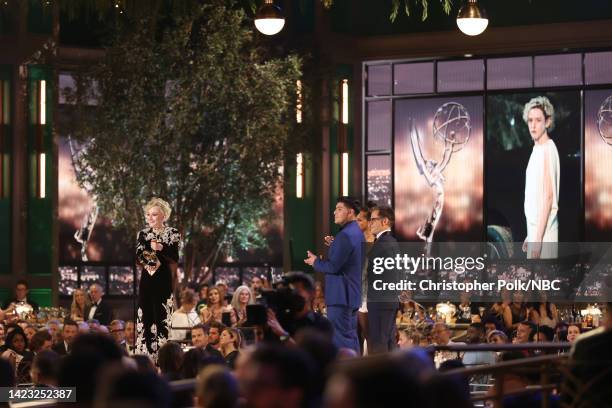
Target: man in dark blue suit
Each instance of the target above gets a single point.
(342, 272)
(382, 308)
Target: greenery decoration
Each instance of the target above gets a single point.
(197, 114)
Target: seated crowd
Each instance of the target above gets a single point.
(273, 360)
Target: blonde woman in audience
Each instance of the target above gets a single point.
(241, 298)
(79, 302)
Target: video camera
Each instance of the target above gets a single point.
(283, 300)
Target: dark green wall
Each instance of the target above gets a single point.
(5, 199)
(341, 72)
(40, 212)
(300, 221)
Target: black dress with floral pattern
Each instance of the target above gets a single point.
(155, 300)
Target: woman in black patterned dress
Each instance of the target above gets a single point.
(157, 251)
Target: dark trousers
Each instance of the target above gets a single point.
(381, 328)
(344, 320)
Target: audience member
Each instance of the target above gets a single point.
(117, 331)
(69, 333)
(214, 334)
(196, 359)
(573, 331)
(124, 388)
(274, 375)
(44, 369)
(230, 344)
(91, 352)
(55, 330)
(80, 302)
(497, 337)
(184, 317)
(380, 381)
(588, 384)
(41, 340)
(200, 339)
(476, 335)
(98, 309)
(170, 360)
(216, 388)
(241, 298)
(214, 310)
(21, 298)
(524, 332)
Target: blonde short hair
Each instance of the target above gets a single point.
(161, 204)
(542, 103)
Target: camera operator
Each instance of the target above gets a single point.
(296, 305)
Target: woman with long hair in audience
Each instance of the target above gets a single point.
(79, 302)
(230, 344)
(214, 310)
(241, 298)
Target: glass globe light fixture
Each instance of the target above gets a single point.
(269, 19)
(472, 19)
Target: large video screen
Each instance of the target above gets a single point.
(520, 171)
(439, 168)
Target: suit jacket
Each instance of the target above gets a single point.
(385, 246)
(60, 348)
(343, 268)
(103, 313)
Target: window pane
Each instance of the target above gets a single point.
(277, 274)
(460, 76)
(67, 84)
(413, 78)
(379, 179)
(379, 125)
(69, 279)
(228, 274)
(598, 68)
(379, 80)
(508, 73)
(249, 272)
(558, 70)
(121, 280)
(93, 274)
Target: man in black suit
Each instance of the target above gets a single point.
(98, 309)
(588, 384)
(21, 296)
(382, 308)
(69, 332)
(199, 338)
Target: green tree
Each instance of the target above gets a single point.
(196, 114)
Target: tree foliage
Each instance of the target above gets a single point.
(197, 115)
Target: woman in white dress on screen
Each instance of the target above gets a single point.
(541, 182)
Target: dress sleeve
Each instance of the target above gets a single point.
(170, 251)
(141, 246)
